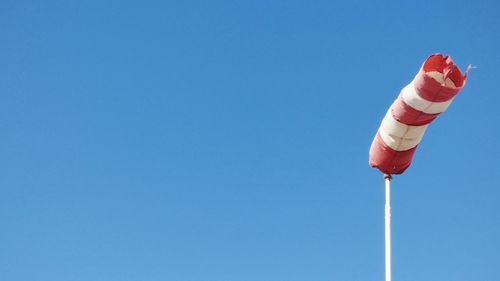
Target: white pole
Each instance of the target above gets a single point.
(387, 227)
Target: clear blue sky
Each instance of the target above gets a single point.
(228, 141)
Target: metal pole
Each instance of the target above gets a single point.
(387, 227)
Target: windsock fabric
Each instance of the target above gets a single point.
(419, 103)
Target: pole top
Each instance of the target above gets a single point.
(387, 176)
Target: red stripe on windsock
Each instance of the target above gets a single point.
(432, 90)
(409, 115)
(388, 160)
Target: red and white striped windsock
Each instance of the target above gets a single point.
(418, 104)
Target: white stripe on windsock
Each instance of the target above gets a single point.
(399, 136)
(411, 98)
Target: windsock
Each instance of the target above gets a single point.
(419, 103)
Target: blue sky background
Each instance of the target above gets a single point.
(228, 140)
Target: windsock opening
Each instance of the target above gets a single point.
(444, 70)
